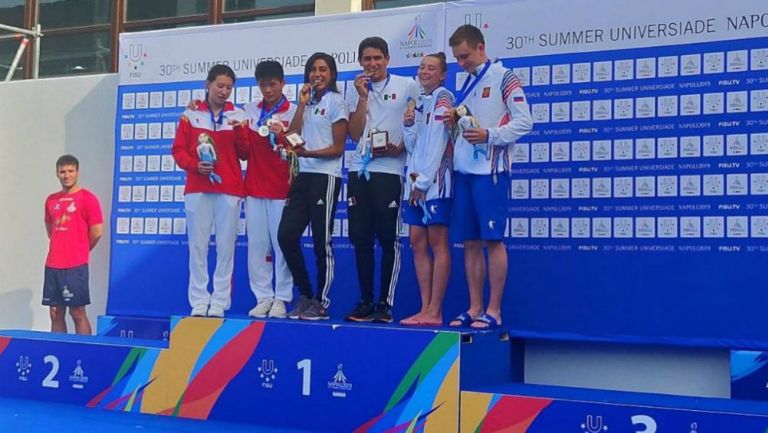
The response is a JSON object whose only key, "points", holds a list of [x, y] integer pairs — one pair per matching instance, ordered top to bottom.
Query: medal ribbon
{"points": [[469, 84]]}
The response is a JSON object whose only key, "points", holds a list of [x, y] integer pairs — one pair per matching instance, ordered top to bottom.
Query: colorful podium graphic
{"points": [[340, 378], [502, 413]]}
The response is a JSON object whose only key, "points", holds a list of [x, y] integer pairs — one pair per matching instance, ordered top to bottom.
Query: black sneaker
{"points": [[299, 307], [314, 311], [363, 312], [383, 313]]}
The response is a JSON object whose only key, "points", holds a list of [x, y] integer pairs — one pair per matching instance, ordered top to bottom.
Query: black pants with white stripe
{"points": [[311, 201], [374, 212]]}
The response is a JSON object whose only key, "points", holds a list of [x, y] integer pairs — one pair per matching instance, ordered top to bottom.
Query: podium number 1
{"points": [[306, 366]]}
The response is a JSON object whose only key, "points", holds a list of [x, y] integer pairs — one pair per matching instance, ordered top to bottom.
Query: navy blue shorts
{"points": [[480, 207], [439, 211], [68, 287]]}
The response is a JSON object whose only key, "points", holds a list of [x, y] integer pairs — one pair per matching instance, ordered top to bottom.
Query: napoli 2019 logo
{"points": [[416, 42]]}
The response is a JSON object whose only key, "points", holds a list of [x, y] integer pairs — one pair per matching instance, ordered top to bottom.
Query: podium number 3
{"points": [[306, 366], [49, 381]]}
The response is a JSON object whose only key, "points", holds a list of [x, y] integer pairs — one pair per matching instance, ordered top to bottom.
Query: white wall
{"points": [[39, 121], [664, 370]]}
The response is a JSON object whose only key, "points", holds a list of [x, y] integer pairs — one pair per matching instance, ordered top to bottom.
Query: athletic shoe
{"points": [[299, 307], [262, 308], [199, 310], [278, 310], [215, 311], [314, 311], [363, 312], [383, 313]]}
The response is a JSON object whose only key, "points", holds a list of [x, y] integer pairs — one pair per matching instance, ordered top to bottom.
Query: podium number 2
{"points": [[306, 366], [49, 381]]}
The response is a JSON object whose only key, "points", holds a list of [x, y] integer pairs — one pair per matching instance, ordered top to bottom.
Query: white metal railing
{"points": [[37, 34]]}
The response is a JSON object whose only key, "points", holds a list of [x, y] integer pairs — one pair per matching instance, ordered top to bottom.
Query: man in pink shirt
{"points": [[73, 221]]}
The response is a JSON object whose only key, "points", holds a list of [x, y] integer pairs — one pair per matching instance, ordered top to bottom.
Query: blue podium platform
{"points": [[153, 328], [749, 374], [340, 377], [522, 408], [28, 416]]}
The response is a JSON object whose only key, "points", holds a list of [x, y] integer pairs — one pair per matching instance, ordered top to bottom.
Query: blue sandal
{"points": [[464, 319], [488, 321]]}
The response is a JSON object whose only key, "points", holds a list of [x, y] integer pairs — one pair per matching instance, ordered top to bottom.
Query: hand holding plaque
{"points": [[294, 139], [379, 141]]}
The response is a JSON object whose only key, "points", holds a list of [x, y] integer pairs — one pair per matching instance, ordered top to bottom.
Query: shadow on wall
{"points": [[16, 308]]}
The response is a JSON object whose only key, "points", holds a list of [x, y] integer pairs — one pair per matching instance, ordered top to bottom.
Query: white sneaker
{"points": [[262, 308], [199, 310], [278, 310], [215, 311]]}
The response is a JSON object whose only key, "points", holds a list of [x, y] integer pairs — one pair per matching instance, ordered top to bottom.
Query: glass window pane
{"points": [[386, 4], [239, 5], [152, 9], [12, 13], [56, 14], [268, 17], [168, 26], [7, 52], [85, 53]]}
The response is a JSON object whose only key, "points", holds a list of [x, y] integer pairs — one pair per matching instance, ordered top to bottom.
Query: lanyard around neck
{"points": [[386, 83], [470, 84], [264, 115], [216, 120]]}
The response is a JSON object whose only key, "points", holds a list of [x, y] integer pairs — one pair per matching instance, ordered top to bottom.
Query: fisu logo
{"points": [[476, 19], [135, 57]]}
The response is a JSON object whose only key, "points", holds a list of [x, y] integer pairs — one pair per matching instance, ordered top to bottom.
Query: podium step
{"points": [[153, 328], [69, 368], [749, 374], [340, 377], [526, 408], [37, 417]]}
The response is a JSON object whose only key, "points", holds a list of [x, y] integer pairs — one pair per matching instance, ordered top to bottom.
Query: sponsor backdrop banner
{"points": [[160, 73], [637, 204]]}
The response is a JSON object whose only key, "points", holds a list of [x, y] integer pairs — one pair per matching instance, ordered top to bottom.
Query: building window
{"points": [[387, 4], [238, 5], [139, 10], [250, 10], [12, 13], [57, 14], [167, 25], [81, 36], [8, 50], [79, 53]]}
